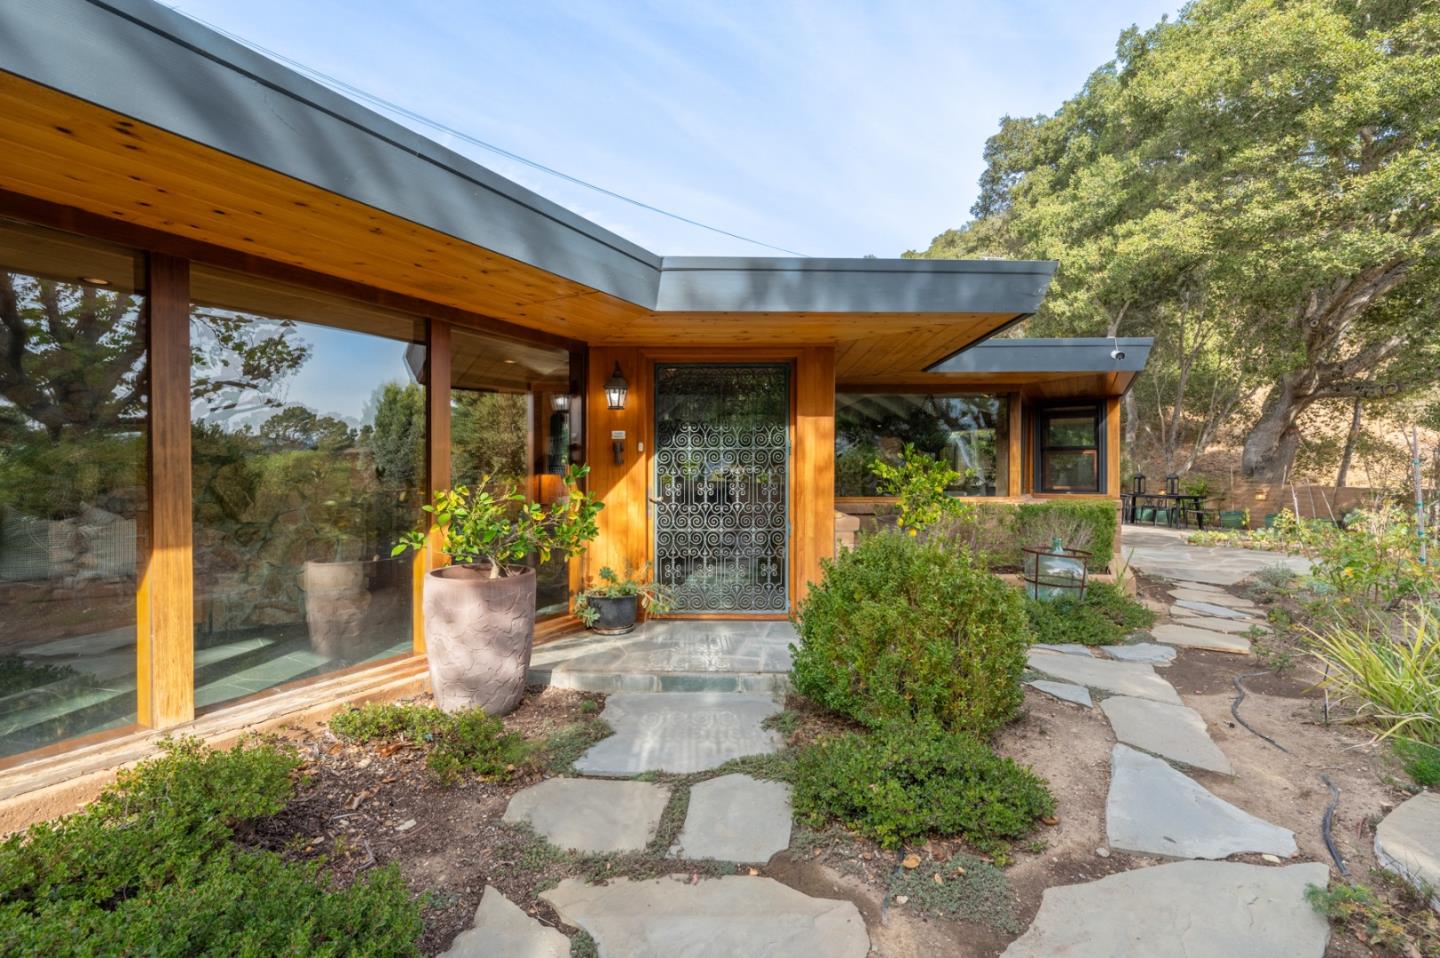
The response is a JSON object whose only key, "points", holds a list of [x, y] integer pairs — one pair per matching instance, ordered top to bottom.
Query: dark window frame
{"points": [[1043, 416]]}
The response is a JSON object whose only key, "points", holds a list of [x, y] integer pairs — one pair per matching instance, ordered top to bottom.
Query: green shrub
{"points": [[1088, 524], [1104, 617], [900, 629], [465, 741], [1420, 760], [909, 782], [150, 868]]}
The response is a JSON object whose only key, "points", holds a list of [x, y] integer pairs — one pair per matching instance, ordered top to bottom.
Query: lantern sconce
{"points": [[615, 389], [560, 402]]}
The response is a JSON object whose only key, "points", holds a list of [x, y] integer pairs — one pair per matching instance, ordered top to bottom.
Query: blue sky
{"points": [[832, 128]]}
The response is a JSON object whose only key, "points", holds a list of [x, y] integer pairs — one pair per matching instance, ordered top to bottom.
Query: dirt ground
{"points": [[369, 805]]}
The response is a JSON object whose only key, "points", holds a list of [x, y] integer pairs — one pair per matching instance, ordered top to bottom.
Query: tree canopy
{"points": [[1257, 184]]}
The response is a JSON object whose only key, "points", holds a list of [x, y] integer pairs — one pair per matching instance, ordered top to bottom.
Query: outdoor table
{"points": [[1172, 503]]}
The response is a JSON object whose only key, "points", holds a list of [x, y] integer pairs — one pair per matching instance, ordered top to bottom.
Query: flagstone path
{"points": [[1407, 842], [1196, 907], [1189, 909]]}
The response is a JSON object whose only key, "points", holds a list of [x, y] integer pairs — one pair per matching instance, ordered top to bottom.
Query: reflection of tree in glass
{"points": [[238, 362], [959, 430], [489, 436]]}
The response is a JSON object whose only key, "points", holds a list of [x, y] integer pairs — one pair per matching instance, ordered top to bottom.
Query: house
{"points": [[248, 324]]}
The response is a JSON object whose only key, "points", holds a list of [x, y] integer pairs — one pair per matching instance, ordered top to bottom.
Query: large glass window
{"points": [[513, 418], [308, 432], [970, 433], [1069, 449], [73, 500]]}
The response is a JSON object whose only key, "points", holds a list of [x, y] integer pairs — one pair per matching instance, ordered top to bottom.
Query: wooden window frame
{"points": [[1043, 415]]}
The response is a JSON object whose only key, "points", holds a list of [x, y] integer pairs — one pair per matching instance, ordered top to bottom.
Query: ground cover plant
{"points": [[1105, 616], [904, 629], [460, 742], [908, 782], [151, 868], [1398, 924]]}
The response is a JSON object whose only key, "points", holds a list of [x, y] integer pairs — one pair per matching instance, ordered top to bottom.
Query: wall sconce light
{"points": [[615, 389], [560, 402]]}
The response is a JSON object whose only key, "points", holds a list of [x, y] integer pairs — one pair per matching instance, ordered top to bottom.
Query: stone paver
{"points": [[1166, 554], [1201, 587], [1217, 597], [1218, 611], [1198, 621], [1193, 637], [1068, 648], [1141, 652], [671, 656], [1121, 678], [1065, 691], [680, 732], [1175, 732], [1155, 810], [590, 815], [735, 818], [1407, 841], [1182, 910], [716, 918], [502, 928]]}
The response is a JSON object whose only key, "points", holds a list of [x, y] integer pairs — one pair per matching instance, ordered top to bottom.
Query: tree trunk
{"points": [[1270, 448], [1349, 452]]}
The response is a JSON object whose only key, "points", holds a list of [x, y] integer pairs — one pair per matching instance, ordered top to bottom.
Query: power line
{"points": [[355, 93]]}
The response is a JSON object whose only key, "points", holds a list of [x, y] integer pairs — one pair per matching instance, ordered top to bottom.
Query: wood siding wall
{"points": [[625, 532]]}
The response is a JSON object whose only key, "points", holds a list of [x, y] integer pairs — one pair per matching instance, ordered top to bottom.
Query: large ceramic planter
{"points": [[337, 602], [353, 609], [615, 616], [478, 636]]}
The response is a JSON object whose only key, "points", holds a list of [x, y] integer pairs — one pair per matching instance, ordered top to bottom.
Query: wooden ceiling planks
{"points": [[66, 151]]}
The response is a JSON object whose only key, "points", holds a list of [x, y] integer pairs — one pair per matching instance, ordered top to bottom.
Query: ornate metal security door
{"points": [[720, 503]]}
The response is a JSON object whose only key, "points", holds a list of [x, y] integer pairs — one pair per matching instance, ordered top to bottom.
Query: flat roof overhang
{"points": [[130, 111], [1044, 368]]}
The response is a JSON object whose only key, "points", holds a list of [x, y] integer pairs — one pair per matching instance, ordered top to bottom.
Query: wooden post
{"points": [[1112, 446], [437, 461], [813, 467], [1014, 483], [165, 626]]}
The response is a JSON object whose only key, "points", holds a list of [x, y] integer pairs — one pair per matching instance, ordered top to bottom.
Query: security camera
{"points": [[1117, 353]]}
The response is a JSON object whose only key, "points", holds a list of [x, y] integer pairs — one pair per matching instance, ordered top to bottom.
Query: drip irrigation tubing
{"points": [[1235, 709], [1328, 822]]}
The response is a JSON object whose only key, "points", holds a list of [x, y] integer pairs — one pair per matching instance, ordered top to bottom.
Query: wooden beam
{"points": [[1112, 446], [437, 460], [813, 468], [1015, 473], [165, 666]]}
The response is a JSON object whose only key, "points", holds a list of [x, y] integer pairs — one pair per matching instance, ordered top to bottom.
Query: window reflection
{"points": [[73, 420], [506, 423], [308, 433], [969, 433]]}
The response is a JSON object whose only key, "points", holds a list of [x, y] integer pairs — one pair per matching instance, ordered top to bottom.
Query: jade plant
{"points": [[496, 526]]}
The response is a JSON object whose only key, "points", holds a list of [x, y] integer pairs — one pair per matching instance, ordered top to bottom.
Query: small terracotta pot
{"points": [[478, 636]]}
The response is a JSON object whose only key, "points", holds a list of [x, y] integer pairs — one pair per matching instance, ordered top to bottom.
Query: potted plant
{"points": [[337, 588], [612, 607], [480, 610]]}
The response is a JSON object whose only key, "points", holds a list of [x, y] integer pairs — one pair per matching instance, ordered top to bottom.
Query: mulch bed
{"points": [[362, 806]]}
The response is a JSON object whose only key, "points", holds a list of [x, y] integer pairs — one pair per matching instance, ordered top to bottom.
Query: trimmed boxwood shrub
{"points": [[902, 630], [906, 783], [151, 868]]}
